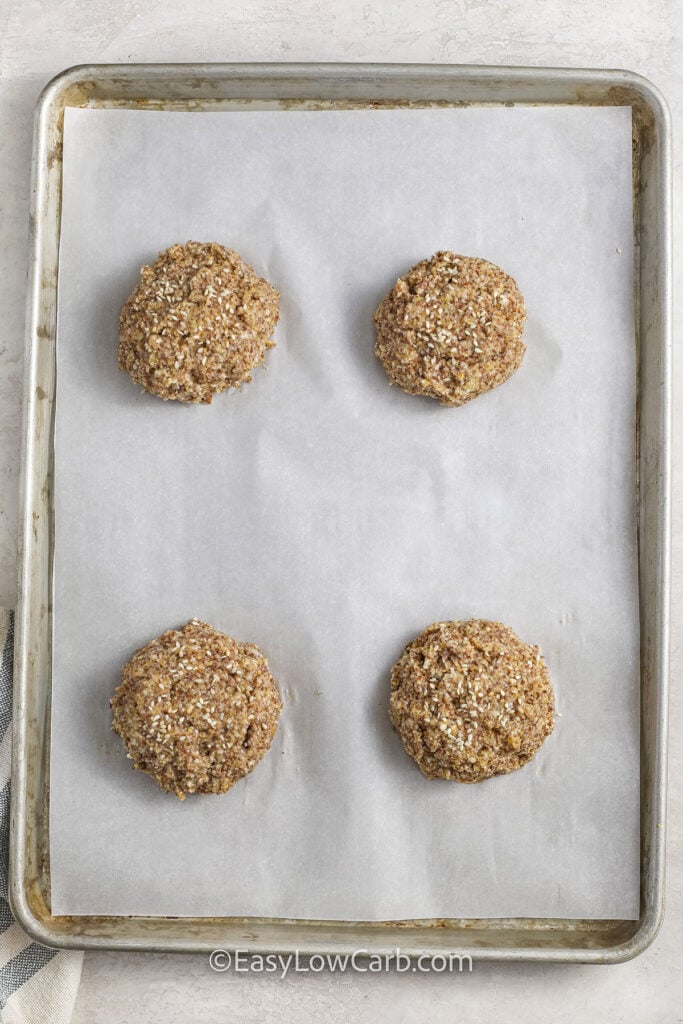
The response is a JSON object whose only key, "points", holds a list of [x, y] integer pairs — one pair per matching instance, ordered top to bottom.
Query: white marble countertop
{"points": [[38, 38]]}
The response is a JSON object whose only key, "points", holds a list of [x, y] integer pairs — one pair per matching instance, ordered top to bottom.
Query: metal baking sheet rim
{"points": [[216, 86]]}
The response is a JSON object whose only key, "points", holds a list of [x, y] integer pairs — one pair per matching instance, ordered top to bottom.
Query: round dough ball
{"points": [[198, 322], [451, 328], [470, 700], [196, 709]]}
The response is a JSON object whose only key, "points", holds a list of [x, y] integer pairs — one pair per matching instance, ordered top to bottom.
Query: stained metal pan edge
{"points": [[201, 86]]}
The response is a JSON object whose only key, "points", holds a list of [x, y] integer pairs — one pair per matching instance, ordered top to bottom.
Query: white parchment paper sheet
{"points": [[328, 517]]}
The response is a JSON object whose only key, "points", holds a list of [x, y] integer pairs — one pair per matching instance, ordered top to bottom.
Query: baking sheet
{"points": [[329, 518]]}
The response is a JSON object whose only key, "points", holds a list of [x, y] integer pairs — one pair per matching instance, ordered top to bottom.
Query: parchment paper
{"points": [[329, 518]]}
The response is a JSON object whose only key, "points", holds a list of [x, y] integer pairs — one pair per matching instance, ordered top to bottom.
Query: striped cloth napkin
{"points": [[37, 985]]}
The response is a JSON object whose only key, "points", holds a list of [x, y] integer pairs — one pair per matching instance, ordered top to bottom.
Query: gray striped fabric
{"points": [[37, 985]]}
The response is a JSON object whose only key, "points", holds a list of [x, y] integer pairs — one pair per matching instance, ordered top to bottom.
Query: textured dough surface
{"points": [[198, 322], [451, 328], [470, 700], [196, 709]]}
